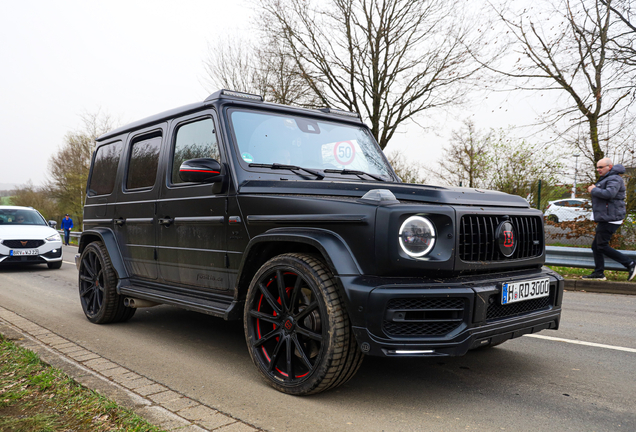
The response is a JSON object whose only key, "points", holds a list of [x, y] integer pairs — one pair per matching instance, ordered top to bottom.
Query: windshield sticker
{"points": [[344, 152], [247, 157]]}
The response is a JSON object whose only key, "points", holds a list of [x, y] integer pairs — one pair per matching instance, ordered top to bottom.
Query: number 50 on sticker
{"points": [[344, 152]]}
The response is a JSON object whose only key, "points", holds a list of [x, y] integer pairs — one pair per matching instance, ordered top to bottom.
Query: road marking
{"points": [[68, 262], [618, 348]]}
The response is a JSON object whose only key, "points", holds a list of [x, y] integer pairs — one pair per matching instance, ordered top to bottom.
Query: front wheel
{"points": [[97, 287], [297, 329]]}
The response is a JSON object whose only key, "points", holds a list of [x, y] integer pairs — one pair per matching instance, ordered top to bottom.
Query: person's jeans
{"points": [[67, 234], [600, 247]]}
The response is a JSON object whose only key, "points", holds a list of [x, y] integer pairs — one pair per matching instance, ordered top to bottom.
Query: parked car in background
{"points": [[569, 210], [26, 238]]}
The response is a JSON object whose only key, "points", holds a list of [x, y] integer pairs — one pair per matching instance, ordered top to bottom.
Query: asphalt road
{"points": [[527, 384]]}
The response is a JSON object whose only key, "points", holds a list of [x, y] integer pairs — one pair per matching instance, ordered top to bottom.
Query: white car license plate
{"points": [[21, 252], [512, 292]]}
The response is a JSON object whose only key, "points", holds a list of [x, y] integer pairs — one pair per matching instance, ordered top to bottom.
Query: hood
{"points": [[616, 169], [402, 191], [25, 232]]}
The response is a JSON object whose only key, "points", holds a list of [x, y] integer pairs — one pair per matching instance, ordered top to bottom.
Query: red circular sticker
{"points": [[344, 152]]}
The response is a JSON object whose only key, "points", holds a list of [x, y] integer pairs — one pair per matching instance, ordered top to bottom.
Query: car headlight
{"points": [[417, 236], [54, 237]]}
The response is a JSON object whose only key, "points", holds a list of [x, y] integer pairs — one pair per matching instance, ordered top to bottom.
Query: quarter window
{"points": [[194, 140], [144, 156], [104, 169]]}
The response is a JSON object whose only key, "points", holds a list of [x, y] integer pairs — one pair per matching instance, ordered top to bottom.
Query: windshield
{"points": [[266, 138], [20, 217]]}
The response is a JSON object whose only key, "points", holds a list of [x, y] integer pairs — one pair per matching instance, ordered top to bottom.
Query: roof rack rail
{"points": [[235, 94], [339, 112]]}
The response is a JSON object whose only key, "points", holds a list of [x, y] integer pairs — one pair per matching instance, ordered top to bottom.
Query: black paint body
{"points": [[198, 246]]}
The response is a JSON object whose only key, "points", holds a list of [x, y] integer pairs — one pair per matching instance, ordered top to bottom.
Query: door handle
{"points": [[120, 221], [167, 221]]}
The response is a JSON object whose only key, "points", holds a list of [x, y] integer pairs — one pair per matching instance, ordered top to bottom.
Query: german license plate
{"points": [[21, 252], [512, 292]]}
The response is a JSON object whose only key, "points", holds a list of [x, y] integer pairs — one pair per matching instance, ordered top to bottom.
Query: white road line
{"points": [[68, 262], [618, 348]]}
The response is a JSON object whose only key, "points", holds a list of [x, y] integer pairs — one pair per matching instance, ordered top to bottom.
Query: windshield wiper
{"points": [[355, 172], [318, 174]]}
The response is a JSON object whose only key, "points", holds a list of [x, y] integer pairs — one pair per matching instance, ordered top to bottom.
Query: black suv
{"points": [[292, 220]]}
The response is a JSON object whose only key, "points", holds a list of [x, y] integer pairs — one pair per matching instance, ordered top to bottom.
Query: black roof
{"points": [[220, 94]]}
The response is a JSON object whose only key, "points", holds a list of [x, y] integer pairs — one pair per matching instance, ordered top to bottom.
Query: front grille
{"points": [[478, 242], [18, 244], [24, 259], [496, 310], [435, 316]]}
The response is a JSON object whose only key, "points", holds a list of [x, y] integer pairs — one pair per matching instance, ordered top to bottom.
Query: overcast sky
{"points": [[130, 59]]}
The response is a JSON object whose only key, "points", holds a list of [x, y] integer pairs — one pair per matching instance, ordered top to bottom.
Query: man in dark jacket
{"points": [[608, 208]]}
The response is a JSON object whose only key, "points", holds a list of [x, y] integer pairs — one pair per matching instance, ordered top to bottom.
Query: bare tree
{"points": [[570, 46], [625, 49], [389, 60], [235, 63], [497, 160], [463, 161], [69, 167], [409, 171], [36, 197]]}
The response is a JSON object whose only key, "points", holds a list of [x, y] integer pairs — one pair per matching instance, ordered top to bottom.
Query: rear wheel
{"points": [[553, 218], [97, 287], [297, 329]]}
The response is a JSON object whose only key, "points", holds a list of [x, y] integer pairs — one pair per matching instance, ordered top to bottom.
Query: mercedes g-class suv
{"points": [[292, 220]]}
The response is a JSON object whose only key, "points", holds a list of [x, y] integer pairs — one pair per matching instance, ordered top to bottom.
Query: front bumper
{"points": [[47, 253], [445, 317]]}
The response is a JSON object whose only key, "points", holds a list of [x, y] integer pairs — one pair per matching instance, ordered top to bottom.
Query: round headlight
{"points": [[417, 236]]}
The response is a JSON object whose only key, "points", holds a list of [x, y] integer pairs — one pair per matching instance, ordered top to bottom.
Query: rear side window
{"points": [[194, 140], [144, 157], [105, 169]]}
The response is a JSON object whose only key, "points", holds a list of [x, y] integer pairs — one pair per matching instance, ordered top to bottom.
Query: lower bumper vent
{"points": [[423, 316]]}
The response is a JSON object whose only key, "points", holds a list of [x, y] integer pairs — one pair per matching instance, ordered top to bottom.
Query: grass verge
{"points": [[578, 273], [37, 397]]}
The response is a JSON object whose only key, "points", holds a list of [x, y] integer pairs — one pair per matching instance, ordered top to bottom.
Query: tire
{"points": [[553, 218], [54, 265], [97, 287], [297, 329]]}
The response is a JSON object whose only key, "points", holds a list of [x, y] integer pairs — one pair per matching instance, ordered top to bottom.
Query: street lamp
{"points": [[576, 163]]}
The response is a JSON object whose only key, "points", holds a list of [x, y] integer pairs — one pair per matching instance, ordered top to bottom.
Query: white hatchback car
{"points": [[565, 210], [26, 238]]}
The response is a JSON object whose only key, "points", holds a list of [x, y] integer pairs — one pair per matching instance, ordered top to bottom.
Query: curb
{"points": [[606, 287], [154, 402]]}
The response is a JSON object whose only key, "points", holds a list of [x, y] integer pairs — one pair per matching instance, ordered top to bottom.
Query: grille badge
{"points": [[506, 238]]}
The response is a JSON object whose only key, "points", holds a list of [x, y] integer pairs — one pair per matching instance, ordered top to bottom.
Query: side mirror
{"points": [[203, 170], [52, 224]]}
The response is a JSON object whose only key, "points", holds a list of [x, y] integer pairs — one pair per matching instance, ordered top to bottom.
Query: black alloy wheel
{"points": [[97, 287], [296, 326]]}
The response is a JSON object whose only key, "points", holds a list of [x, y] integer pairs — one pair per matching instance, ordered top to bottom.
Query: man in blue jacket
{"points": [[608, 208], [67, 224]]}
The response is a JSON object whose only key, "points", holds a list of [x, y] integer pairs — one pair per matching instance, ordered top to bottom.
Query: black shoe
{"points": [[632, 270], [595, 276]]}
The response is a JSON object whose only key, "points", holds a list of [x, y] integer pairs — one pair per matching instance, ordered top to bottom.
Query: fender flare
{"points": [[107, 237], [333, 248]]}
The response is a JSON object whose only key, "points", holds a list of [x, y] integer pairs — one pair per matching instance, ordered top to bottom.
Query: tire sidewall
{"points": [[108, 287], [327, 315]]}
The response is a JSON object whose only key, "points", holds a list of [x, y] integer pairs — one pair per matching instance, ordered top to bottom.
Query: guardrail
{"points": [[74, 234], [554, 255], [580, 257]]}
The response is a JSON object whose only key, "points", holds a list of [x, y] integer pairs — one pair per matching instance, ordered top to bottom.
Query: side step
{"points": [[220, 306]]}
